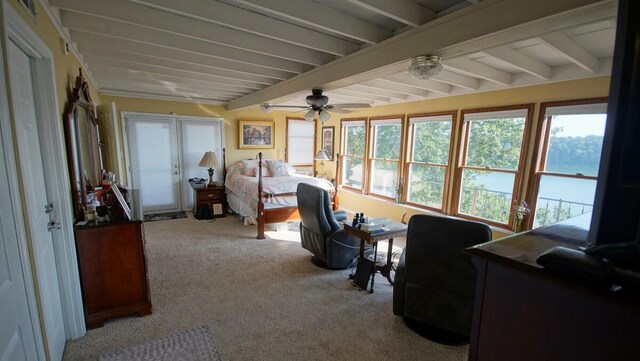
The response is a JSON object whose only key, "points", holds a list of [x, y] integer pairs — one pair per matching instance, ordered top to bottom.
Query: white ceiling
{"points": [[245, 52]]}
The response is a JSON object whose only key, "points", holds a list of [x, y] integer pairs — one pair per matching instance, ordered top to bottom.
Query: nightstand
{"points": [[209, 202]]}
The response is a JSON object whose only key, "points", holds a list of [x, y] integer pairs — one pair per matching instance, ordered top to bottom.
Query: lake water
{"points": [[567, 189]]}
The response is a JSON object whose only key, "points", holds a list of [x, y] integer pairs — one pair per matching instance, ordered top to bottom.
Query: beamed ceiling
{"points": [[241, 53]]}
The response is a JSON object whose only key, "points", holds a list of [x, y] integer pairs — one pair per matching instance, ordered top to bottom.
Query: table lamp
{"points": [[322, 156], [209, 160]]}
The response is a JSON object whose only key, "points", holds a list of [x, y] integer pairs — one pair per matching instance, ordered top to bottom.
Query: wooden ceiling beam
{"points": [[404, 11], [144, 16], [322, 17], [240, 19], [571, 50], [520, 61], [477, 69]]}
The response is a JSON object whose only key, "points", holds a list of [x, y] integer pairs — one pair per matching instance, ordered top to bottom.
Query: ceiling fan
{"points": [[316, 103]]}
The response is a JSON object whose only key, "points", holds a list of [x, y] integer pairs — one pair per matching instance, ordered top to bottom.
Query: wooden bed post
{"points": [[224, 165], [336, 199], [261, 219]]}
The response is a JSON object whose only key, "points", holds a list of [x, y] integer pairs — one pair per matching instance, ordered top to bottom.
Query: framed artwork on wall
{"points": [[256, 134], [327, 140]]}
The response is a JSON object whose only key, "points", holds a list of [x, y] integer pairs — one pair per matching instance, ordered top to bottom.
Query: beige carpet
{"points": [[261, 299]]}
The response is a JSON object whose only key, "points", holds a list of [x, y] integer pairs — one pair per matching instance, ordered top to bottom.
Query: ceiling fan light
{"points": [[425, 66], [265, 107], [324, 115], [309, 116]]}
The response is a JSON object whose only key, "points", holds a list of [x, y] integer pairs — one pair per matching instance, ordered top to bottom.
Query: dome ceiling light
{"points": [[425, 66]]}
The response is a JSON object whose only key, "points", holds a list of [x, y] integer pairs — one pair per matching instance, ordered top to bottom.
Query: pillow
{"points": [[249, 167], [277, 168], [290, 169], [265, 172]]}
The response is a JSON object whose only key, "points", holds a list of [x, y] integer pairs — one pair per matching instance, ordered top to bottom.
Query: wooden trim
{"points": [[464, 143], [410, 145], [371, 149], [540, 149], [364, 155], [489, 169], [567, 175]]}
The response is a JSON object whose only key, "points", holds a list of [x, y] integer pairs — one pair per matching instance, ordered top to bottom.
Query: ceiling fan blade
{"points": [[350, 105], [289, 106]]}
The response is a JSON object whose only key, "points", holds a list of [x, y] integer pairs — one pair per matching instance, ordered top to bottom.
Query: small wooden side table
{"points": [[205, 200], [395, 229]]}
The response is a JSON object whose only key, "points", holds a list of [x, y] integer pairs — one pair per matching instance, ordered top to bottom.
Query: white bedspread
{"points": [[244, 191]]}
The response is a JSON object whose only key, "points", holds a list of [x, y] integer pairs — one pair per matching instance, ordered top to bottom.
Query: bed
{"points": [[261, 197]]}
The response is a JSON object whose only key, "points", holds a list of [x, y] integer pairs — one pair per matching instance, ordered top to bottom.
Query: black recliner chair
{"points": [[321, 233], [434, 286]]}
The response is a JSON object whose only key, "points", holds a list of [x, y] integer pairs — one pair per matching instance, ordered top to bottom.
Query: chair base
{"points": [[316, 261], [436, 334]]}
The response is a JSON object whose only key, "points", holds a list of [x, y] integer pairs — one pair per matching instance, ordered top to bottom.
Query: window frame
{"points": [[371, 132], [286, 143], [463, 148], [540, 150], [341, 157], [408, 161]]}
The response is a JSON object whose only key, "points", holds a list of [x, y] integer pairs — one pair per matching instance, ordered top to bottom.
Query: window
{"points": [[301, 137], [354, 139], [570, 144], [428, 159], [384, 166], [490, 166]]}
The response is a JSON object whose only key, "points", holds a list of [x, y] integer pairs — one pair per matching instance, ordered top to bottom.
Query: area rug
{"points": [[164, 216], [191, 345]]}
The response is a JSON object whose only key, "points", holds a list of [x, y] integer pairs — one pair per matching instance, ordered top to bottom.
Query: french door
{"points": [[164, 154], [155, 162]]}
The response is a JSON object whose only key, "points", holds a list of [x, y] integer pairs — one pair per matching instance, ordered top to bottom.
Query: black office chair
{"points": [[321, 233], [434, 286]]}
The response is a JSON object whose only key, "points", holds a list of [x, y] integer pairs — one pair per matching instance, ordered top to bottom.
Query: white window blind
{"points": [[598, 108], [503, 114], [435, 118], [386, 121], [353, 123], [300, 139]]}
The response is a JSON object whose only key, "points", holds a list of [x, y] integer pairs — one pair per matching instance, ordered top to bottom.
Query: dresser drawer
{"points": [[210, 196]]}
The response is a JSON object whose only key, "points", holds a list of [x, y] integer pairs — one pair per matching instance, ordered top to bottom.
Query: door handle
{"points": [[53, 225]]}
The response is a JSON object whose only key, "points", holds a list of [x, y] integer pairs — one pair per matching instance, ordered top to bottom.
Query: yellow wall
{"points": [[66, 66], [125, 104], [376, 207]]}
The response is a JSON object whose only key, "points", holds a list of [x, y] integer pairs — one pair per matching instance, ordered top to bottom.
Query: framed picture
{"points": [[254, 134], [327, 140]]}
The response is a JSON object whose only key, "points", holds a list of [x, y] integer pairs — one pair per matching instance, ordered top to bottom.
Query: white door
{"points": [[197, 138], [155, 162], [34, 192], [17, 334]]}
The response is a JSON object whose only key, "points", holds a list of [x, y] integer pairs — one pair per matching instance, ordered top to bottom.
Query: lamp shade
{"points": [[324, 115], [309, 116], [322, 155], [209, 160]]}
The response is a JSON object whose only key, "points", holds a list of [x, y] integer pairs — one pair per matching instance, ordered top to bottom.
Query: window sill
{"points": [[493, 228]]}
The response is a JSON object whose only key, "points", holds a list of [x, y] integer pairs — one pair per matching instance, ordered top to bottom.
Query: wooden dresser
{"points": [[209, 202], [113, 271], [527, 313]]}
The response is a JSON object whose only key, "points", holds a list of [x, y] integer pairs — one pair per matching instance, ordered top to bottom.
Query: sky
{"points": [[580, 125]]}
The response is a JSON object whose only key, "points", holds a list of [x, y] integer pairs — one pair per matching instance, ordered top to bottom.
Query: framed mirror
{"points": [[83, 145]]}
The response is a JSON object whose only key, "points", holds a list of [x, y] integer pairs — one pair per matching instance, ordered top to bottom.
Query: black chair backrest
{"points": [[311, 205], [434, 252]]}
